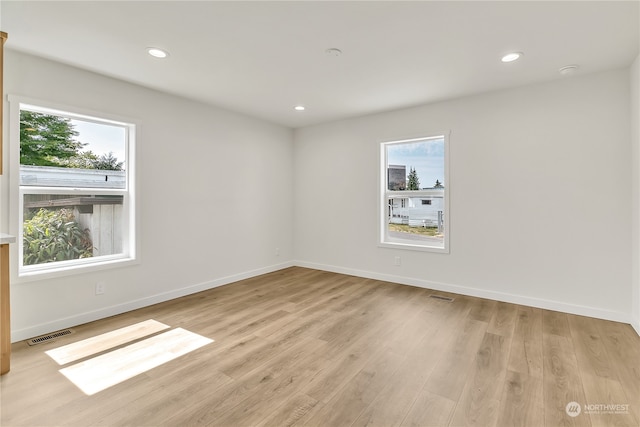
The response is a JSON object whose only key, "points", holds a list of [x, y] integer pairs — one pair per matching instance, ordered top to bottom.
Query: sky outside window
{"points": [[101, 138], [425, 156]]}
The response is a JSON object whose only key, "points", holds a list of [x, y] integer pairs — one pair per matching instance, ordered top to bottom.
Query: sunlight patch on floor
{"points": [[99, 343], [109, 369], [106, 370]]}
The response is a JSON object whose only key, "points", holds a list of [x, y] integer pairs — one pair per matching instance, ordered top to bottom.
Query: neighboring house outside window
{"points": [[414, 196], [75, 197]]}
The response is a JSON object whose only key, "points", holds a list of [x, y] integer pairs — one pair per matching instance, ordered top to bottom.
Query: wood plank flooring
{"points": [[301, 347]]}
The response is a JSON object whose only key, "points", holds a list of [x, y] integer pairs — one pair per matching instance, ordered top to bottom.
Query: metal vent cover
{"points": [[441, 298], [48, 337]]}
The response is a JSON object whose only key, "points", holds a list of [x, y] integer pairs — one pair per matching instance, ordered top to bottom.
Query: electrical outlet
{"points": [[277, 251], [396, 261], [99, 288]]}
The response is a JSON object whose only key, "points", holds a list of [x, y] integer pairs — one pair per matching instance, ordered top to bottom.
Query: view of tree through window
{"points": [[50, 140], [60, 152], [414, 194]]}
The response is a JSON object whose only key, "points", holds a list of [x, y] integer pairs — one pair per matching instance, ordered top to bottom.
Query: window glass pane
{"points": [[59, 151], [416, 165], [415, 192], [75, 205], [409, 219], [62, 227]]}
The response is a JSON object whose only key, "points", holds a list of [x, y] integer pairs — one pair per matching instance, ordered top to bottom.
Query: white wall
{"points": [[215, 193], [540, 209], [635, 222]]}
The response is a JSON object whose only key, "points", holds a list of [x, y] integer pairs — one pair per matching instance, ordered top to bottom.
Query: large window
{"points": [[75, 195], [414, 196]]}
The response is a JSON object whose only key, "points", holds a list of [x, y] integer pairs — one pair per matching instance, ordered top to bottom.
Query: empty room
{"points": [[320, 213]]}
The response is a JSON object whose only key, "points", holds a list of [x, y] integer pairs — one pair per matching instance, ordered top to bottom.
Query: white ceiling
{"points": [[262, 58]]}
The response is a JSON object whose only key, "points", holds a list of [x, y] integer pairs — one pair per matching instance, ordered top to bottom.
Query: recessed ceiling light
{"points": [[157, 53], [510, 57], [299, 108]]}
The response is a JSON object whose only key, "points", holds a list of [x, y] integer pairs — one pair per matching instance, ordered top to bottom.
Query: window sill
{"points": [[413, 247], [34, 274]]}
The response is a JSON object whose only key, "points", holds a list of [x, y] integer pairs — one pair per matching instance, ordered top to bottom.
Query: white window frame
{"points": [[384, 239], [130, 252]]}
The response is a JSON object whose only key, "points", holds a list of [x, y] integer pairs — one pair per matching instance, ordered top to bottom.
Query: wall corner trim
{"points": [[635, 324]]}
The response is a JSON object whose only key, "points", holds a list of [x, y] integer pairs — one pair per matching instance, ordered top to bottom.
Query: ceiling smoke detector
{"points": [[333, 52], [568, 70]]}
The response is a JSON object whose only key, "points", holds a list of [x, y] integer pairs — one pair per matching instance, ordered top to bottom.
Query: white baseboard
{"points": [[481, 293], [90, 316], [67, 322]]}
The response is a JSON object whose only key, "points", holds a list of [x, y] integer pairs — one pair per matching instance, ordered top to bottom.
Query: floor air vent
{"points": [[441, 298], [48, 337]]}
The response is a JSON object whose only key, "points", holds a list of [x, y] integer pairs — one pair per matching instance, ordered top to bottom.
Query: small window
{"points": [[75, 190], [414, 194]]}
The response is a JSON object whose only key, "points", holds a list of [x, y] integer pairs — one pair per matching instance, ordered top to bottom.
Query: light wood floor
{"points": [[309, 348]]}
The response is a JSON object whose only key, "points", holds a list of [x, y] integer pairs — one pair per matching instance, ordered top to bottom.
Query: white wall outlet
{"points": [[277, 251], [396, 261], [100, 288]]}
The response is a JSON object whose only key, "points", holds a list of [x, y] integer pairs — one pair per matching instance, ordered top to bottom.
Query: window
{"points": [[75, 191], [414, 197]]}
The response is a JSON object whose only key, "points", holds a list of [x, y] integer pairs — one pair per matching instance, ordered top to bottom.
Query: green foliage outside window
{"points": [[46, 140], [50, 140], [414, 181], [54, 235]]}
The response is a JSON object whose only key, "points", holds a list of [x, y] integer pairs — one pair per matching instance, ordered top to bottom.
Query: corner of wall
{"points": [[634, 77]]}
